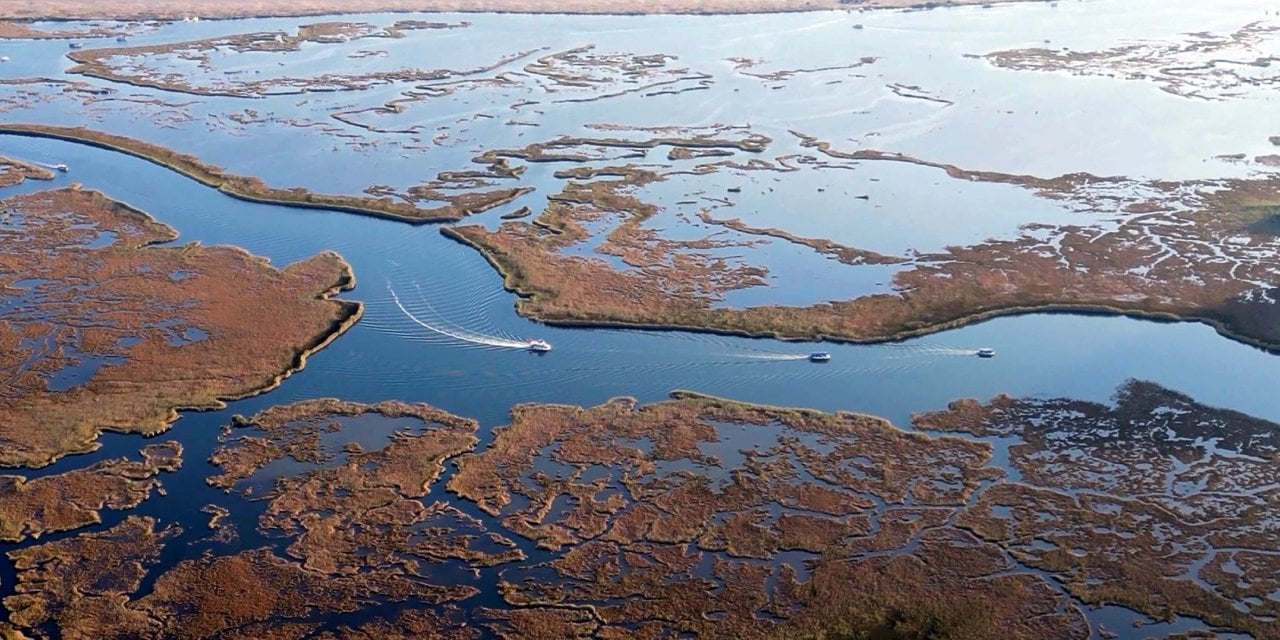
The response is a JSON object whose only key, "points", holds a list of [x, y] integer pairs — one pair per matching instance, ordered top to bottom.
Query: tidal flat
{"points": [[272, 283]]}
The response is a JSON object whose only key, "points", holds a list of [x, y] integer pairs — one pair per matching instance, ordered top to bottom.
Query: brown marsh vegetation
{"points": [[15, 172], [1197, 250], [106, 332], [70, 500], [1132, 504], [704, 516], [709, 517], [358, 529]]}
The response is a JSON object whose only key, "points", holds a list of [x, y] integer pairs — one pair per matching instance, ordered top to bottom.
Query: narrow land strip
{"points": [[178, 9], [254, 190]]}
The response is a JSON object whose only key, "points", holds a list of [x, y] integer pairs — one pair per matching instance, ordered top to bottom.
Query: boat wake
{"points": [[444, 328], [939, 350], [931, 352], [782, 357]]}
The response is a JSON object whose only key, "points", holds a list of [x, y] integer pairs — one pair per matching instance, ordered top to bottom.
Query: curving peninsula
{"points": [[14, 172], [255, 190]]}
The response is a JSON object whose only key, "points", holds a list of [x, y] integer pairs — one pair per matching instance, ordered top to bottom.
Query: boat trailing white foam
{"points": [[465, 335]]}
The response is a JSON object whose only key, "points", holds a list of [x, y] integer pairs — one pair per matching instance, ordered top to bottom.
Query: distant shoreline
{"points": [[233, 9]]}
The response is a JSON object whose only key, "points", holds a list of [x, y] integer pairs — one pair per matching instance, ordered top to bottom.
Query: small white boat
{"points": [[4, 58], [62, 167], [539, 346], [986, 353], [819, 356]]}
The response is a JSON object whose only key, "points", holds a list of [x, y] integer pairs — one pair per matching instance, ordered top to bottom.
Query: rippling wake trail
{"points": [[459, 333], [932, 349], [774, 356]]}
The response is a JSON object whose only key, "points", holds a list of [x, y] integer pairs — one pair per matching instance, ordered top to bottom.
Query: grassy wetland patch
{"points": [[1195, 250], [105, 332], [702, 516]]}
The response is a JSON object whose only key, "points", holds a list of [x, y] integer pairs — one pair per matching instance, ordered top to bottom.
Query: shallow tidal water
{"points": [[439, 328]]}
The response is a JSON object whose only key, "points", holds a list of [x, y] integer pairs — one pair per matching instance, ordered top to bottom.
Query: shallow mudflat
{"points": [[1201, 65]]}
